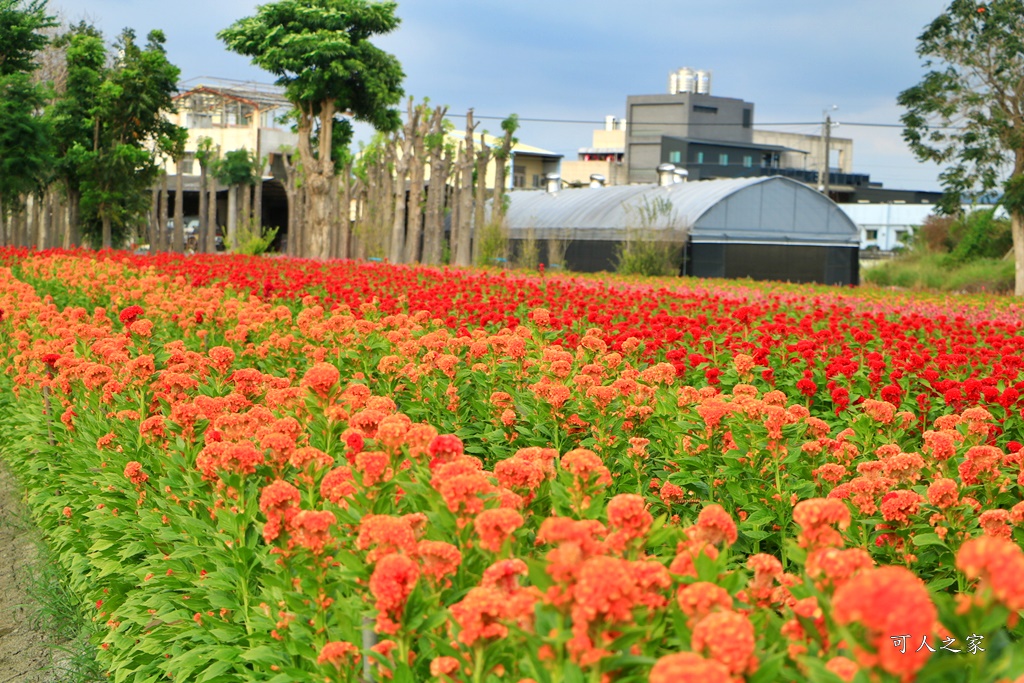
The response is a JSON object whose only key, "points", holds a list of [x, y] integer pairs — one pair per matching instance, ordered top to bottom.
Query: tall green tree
{"points": [[21, 34], [321, 53], [71, 113], [967, 113], [130, 133], [25, 152]]}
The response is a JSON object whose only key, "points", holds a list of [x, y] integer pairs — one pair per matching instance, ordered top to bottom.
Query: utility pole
{"points": [[827, 135]]}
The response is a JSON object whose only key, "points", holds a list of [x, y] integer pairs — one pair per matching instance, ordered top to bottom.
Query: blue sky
{"points": [[579, 59]]}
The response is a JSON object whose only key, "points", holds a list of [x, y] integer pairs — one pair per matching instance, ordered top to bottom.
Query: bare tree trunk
{"points": [[483, 157], [501, 157], [318, 171], [417, 184], [257, 199], [179, 207], [387, 207], [204, 209], [74, 214], [345, 214], [154, 219], [455, 220], [3, 222], [245, 223], [43, 224], [433, 224], [212, 227], [161, 228], [1017, 228], [107, 231], [232, 238], [463, 238]]}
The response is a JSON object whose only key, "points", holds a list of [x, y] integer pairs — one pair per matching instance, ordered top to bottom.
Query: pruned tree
{"points": [[321, 53], [967, 113], [404, 143], [502, 153], [440, 155], [483, 158], [417, 180], [462, 226]]}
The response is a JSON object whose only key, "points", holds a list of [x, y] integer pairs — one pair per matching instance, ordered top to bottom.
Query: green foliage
{"points": [[21, 37], [321, 53], [965, 113], [71, 115], [130, 132], [26, 153], [238, 167], [980, 234], [493, 238], [251, 242], [645, 251], [528, 253], [935, 272]]}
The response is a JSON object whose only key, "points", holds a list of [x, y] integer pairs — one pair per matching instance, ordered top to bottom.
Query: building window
{"points": [[705, 109], [747, 118], [675, 156], [700, 157], [723, 159], [748, 161], [519, 176], [538, 181], [872, 234]]}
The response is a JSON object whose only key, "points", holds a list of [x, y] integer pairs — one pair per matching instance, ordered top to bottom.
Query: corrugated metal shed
{"points": [[766, 210]]}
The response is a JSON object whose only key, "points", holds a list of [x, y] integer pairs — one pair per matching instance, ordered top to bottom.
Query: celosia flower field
{"points": [[271, 470]]}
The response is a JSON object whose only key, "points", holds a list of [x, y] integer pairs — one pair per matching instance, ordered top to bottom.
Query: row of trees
{"points": [[79, 145], [408, 179]]}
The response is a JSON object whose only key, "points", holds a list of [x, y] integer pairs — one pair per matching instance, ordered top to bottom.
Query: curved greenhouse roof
{"points": [[766, 210]]}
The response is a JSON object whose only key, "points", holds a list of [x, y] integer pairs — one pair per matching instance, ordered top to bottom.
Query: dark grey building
{"points": [[767, 228]]}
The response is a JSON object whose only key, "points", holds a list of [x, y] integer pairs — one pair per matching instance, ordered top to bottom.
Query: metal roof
{"points": [[773, 210]]}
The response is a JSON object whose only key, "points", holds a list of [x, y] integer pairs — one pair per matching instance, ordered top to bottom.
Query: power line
{"points": [[679, 123]]}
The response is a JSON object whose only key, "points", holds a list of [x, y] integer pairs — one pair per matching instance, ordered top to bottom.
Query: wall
{"points": [[814, 145]]}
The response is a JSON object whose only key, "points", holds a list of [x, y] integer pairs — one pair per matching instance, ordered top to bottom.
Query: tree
{"points": [[21, 35], [321, 53], [968, 110], [70, 114], [130, 133], [25, 151], [237, 170]]}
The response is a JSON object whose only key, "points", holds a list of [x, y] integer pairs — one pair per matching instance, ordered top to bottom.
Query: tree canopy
{"points": [[967, 113]]}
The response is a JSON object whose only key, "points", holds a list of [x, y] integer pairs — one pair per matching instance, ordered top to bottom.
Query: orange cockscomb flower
{"points": [[321, 378], [586, 466], [133, 471], [338, 485], [943, 493], [279, 503], [899, 506], [628, 515], [816, 517], [996, 523], [494, 526], [715, 526], [311, 529], [383, 535], [438, 560], [998, 564], [504, 574], [392, 581], [699, 599], [887, 601], [480, 615], [727, 637], [338, 654], [688, 667], [845, 668]]}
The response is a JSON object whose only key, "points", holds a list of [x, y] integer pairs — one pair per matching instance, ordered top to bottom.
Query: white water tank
{"points": [[702, 83]]}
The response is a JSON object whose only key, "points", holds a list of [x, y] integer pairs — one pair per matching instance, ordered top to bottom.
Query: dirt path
{"points": [[24, 656]]}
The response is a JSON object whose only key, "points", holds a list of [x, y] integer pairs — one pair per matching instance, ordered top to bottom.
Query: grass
{"points": [[934, 271]]}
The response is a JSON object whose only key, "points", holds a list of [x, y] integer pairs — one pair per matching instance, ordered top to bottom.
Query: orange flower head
{"points": [[321, 378], [586, 466], [133, 471], [338, 485], [943, 493], [899, 506], [627, 513], [496, 525], [715, 526], [311, 529], [438, 560], [998, 564], [504, 574], [392, 581], [699, 599], [887, 601], [480, 615], [727, 637], [338, 654], [688, 667]]}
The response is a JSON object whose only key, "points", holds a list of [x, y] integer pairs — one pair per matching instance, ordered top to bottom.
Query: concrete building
{"points": [[604, 158]]}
